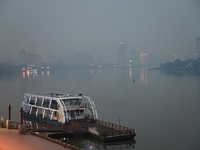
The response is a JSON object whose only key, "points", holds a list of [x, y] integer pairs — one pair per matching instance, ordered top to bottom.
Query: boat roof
{"points": [[57, 95]]}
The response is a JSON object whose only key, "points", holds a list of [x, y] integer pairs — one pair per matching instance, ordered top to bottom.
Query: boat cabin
{"points": [[58, 107]]}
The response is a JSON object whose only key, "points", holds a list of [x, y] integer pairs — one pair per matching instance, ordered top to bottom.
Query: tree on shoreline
{"points": [[186, 64]]}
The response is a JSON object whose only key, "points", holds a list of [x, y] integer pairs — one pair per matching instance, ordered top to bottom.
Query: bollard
{"points": [[9, 112], [21, 116], [9, 124], [21, 127]]}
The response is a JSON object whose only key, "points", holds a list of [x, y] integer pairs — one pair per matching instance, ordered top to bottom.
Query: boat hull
{"points": [[30, 117]]}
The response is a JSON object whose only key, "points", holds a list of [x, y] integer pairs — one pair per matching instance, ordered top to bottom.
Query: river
{"points": [[163, 109]]}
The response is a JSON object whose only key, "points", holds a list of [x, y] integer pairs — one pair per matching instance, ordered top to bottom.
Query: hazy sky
{"points": [[97, 26]]}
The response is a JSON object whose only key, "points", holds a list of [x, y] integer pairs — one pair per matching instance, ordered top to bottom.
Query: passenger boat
{"points": [[58, 108]]}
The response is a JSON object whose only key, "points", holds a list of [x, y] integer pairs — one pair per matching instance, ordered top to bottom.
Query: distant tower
{"points": [[198, 47], [122, 53], [134, 56], [176, 56], [23, 57], [143, 58]]}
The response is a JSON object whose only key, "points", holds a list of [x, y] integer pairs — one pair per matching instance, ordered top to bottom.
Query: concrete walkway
{"points": [[11, 140]]}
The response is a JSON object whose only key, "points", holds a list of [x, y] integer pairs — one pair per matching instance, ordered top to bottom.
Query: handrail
{"points": [[73, 126], [121, 129]]}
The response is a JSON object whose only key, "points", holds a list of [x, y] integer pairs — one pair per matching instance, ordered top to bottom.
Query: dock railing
{"points": [[50, 127], [121, 129]]}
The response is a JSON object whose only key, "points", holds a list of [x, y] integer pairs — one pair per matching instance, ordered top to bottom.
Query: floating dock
{"points": [[69, 114], [99, 129]]}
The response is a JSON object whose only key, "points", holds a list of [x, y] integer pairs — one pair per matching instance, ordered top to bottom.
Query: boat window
{"points": [[26, 99], [32, 101], [73, 101], [39, 102], [70, 102], [76, 102], [46, 103], [66, 103], [54, 104], [27, 108], [34, 109], [40, 112], [77, 113], [81, 113], [47, 114], [72, 114], [55, 116]]}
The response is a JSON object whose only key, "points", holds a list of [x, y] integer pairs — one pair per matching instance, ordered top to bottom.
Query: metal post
{"points": [[9, 112], [21, 116], [1, 120], [119, 121], [21, 127]]}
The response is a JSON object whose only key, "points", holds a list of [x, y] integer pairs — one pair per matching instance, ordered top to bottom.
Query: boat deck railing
{"points": [[114, 126], [55, 128], [119, 130]]}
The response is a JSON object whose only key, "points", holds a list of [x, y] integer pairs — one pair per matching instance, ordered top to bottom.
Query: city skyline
{"points": [[65, 27], [124, 58]]}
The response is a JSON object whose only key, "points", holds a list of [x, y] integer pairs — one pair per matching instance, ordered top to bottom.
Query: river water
{"points": [[163, 109]]}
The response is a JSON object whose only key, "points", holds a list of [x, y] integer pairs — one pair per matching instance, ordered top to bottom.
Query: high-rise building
{"points": [[198, 47], [122, 53], [176, 56], [23, 57], [134, 57], [143, 58], [28, 59], [34, 59]]}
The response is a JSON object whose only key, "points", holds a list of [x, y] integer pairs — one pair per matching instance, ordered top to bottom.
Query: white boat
{"points": [[58, 108]]}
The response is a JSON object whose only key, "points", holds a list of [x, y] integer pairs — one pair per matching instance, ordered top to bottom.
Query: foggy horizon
{"points": [[64, 27]]}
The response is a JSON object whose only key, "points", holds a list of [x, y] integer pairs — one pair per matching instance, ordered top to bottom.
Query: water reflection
{"points": [[130, 72], [48, 73], [28, 74], [23, 75], [143, 76], [123, 78], [198, 87], [89, 143], [92, 144]]}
